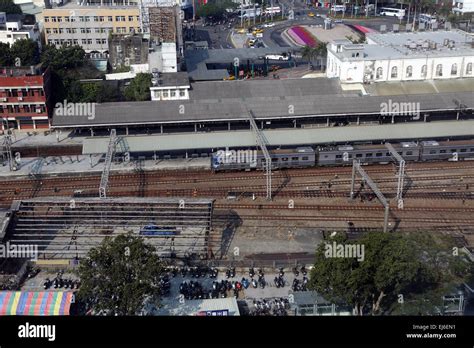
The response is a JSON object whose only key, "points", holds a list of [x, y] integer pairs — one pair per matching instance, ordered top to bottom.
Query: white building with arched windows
{"points": [[402, 57]]}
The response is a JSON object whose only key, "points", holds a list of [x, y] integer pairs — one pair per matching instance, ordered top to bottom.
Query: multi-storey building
{"points": [[463, 6], [89, 25], [13, 29], [402, 57], [24, 98]]}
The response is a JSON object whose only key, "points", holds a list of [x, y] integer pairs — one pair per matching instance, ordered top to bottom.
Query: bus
{"points": [[270, 10], [395, 12], [426, 18]]}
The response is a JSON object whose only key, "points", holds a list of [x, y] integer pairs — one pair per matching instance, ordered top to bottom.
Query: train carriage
{"points": [[447, 150], [343, 155], [295, 158]]}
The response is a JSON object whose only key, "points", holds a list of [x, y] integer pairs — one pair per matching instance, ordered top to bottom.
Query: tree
{"points": [[9, 7], [27, 50], [308, 53], [6, 58], [63, 58], [139, 88], [394, 264], [119, 276]]}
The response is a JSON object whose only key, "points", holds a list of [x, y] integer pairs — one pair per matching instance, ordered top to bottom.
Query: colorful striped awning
{"points": [[35, 302]]}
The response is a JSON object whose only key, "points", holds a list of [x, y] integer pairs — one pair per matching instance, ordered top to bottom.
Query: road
{"points": [[218, 36]]}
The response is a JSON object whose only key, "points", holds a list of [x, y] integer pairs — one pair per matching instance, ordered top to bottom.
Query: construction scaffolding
{"points": [[162, 23], [6, 151], [268, 160], [356, 168], [400, 173], [104, 180]]}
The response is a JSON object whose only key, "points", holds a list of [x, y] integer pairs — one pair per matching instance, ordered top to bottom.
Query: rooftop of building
{"points": [[95, 5], [411, 44], [197, 60], [26, 71], [176, 79], [270, 99]]}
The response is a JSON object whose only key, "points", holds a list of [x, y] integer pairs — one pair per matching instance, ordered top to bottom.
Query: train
{"points": [[307, 156]]}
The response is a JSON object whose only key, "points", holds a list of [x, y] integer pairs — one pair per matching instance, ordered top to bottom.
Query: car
{"points": [[311, 14], [268, 25], [282, 56]]}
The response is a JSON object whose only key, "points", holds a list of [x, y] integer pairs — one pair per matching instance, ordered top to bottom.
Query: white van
{"points": [[338, 8], [427, 19]]}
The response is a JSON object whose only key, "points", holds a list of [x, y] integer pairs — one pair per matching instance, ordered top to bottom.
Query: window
{"points": [[81, 18], [87, 18], [96, 18], [101, 18], [109, 18], [120, 18], [130, 18], [46, 19], [54, 19], [60, 19], [67, 19], [55, 30], [83, 30], [131, 30], [48, 31], [61, 31], [50, 41], [75, 41], [84, 41], [89, 41], [98, 41], [454, 69], [469, 69], [424, 70], [439, 70], [409, 71], [394, 72], [379, 73], [182, 92], [173, 93], [165, 94], [453, 150], [463, 150], [442, 151], [432, 152], [409, 153], [368, 154], [378, 154], [359, 155], [338, 156], [294, 158], [304, 158], [284, 159]]}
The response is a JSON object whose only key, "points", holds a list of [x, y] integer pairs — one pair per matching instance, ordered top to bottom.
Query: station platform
{"points": [[67, 165]]}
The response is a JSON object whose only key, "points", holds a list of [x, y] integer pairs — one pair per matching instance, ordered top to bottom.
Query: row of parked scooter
{"points": [[194, 272], [276, 307]]}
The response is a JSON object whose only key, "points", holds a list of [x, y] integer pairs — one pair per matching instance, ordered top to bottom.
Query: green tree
{"points": [[9, 7], [27, 50], [308, 53], [6, 58], [63, 58], [139, 88], [394, 264], [119, 276]]}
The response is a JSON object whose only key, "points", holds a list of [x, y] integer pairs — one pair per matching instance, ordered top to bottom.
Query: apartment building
{"points": [[89, 25], [24, 96]]}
